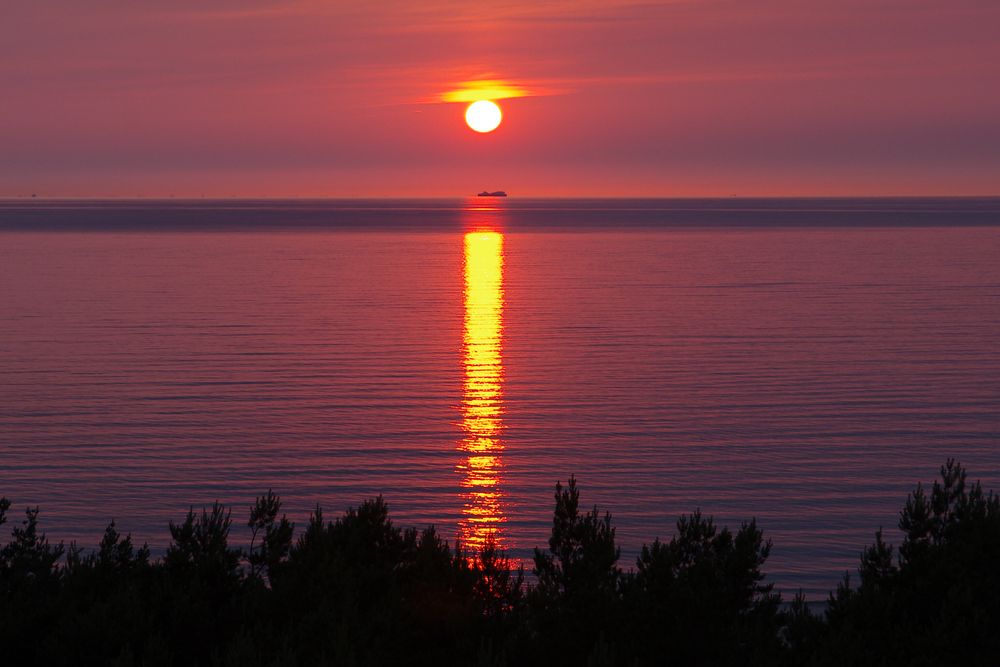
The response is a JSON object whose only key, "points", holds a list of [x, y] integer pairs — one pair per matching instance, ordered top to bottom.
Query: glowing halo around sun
{"points": [[483, 116]]}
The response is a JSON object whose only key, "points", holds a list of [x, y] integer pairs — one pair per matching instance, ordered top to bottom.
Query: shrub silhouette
{"points": [[359, 590]]}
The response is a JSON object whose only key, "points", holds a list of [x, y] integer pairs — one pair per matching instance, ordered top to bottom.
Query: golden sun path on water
{"points": [[482, 395]]}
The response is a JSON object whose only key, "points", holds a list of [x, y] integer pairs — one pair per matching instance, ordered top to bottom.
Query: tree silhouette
{"points": [[276, 535], [582, 556], [360, 590], [701, 596], [938, 600], [575, 602]]}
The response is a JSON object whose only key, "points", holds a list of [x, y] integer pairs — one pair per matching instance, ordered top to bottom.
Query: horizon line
{"points": [[207, 198]]}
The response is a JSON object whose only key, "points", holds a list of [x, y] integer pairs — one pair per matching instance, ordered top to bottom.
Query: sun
{"points": [[483, 116]]}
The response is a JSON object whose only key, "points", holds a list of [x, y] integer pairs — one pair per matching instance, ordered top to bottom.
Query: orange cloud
{"points": [[489, 89]]}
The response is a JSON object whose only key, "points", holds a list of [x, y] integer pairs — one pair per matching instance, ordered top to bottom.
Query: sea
{"points": [[802, 362]]}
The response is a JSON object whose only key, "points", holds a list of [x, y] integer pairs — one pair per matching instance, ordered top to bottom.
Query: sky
{"points": [[338, 98]]}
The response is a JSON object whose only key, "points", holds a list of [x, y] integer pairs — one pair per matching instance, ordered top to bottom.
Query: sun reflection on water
{"points": [[482, 396]]}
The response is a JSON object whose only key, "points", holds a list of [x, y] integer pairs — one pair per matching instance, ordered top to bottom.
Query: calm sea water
{"points": [[805, 362]]}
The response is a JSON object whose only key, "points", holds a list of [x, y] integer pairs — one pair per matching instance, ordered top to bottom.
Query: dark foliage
{"points": [[275, 536], [579, 581], [360, 591], [701, 598], [936, 601]]}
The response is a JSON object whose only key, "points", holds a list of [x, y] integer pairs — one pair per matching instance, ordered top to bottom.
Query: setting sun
{"points": [[483, 116]]}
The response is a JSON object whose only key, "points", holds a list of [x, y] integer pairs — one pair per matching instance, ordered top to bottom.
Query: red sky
{"points": [[343, 98]]}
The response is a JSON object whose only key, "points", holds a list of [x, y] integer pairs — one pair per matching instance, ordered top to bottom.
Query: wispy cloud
{"points": [[426, 14], [493, 89]]}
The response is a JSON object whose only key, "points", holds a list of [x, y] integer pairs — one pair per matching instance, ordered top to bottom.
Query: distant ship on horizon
{"points": [[497, 193]]}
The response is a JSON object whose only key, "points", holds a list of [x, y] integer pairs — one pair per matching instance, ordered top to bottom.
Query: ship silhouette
{"points": [[497, 193]]}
